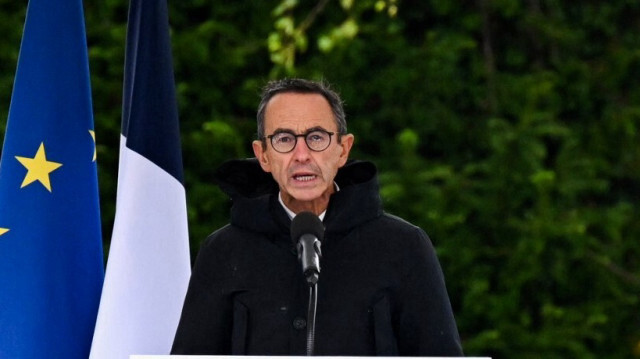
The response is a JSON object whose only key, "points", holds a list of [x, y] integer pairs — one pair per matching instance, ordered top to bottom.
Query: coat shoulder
{"points": [[396, 229]]}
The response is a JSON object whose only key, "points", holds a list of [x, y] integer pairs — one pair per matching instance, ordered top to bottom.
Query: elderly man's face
{"points": [[305, 177]]}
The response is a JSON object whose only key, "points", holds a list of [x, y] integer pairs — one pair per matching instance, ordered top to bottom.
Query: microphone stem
{"points": [[311, 319]]}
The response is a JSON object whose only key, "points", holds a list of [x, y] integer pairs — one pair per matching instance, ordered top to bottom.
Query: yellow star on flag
{"points": [[93, 135], [38, 168], [3, 231]]}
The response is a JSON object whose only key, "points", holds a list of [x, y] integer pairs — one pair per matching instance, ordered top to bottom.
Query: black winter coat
{"points": [[381, 290]]}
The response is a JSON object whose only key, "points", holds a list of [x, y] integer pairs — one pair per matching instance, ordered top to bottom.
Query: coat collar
{"points": [[255, 206]]}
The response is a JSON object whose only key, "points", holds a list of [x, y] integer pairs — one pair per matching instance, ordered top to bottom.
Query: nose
{"points": [[301, 151]]}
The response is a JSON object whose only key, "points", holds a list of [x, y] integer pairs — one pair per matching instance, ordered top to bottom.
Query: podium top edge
{"points": [[271, 357]]}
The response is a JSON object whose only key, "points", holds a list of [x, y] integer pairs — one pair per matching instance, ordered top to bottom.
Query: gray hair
{"points": [[306, 87]]}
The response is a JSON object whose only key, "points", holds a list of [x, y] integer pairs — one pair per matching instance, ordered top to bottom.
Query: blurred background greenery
{"points": [[508, 130]]}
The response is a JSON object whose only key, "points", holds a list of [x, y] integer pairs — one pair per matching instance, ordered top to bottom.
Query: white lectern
{"points": [[271, 357]]}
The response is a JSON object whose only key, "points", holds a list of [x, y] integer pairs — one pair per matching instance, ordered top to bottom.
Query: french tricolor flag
{"points": [[148, 266]]}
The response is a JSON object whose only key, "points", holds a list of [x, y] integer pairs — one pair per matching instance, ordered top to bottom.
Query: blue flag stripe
{"points": [[149, 92]]}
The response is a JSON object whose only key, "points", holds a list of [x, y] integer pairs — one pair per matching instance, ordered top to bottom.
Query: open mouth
{"points": [[304, 178]]}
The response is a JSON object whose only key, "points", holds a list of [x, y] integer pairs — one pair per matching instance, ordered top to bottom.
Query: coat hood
{"points": [[254, 194]]}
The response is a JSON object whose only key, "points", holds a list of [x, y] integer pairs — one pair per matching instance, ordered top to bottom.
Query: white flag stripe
{"points": [[148, 268]]}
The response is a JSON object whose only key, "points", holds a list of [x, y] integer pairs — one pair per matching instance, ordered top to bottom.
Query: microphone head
{"points": [[306, 223]]}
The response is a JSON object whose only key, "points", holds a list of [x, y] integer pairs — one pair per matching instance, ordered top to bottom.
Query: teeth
{"points": [[305, 178]]}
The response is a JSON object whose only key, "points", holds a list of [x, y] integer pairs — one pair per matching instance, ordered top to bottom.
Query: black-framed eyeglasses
{"points": [[316, 139]]}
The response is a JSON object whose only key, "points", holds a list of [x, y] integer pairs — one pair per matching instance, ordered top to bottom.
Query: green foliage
{"points": [[11, 24], [106, 33], [508, 130]]}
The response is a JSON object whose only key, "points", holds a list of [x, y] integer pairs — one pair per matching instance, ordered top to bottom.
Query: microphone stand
{"points": [[307, 230], [306, 245], [312, 275], [311, 318]]}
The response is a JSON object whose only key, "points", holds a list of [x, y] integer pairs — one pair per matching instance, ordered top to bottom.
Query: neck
{"points": [[316, 206]]}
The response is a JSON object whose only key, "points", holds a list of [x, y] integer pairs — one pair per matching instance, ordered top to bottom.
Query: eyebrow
{"points": [[287, 130]]}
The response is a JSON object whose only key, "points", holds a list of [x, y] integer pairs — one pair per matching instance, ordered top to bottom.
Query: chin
{"points": [[306, 195], [306, 198]]}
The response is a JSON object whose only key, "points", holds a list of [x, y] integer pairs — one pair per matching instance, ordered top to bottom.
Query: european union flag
{"points": [[51, 265]]}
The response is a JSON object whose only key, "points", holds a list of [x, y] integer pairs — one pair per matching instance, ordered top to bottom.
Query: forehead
{"points": [[298, 112]]}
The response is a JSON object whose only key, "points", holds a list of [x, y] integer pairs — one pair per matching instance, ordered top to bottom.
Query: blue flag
{"points": [[51, 265]]}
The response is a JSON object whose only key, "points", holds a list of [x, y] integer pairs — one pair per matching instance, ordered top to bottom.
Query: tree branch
{"points": [[311, 17], [615, 269]]}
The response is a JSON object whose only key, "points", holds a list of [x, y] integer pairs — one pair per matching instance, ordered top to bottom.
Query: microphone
{"points": [[307, 231]]}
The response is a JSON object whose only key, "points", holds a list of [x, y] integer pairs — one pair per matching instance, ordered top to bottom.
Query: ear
{"points": [[346, 142], [260, 152]]}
